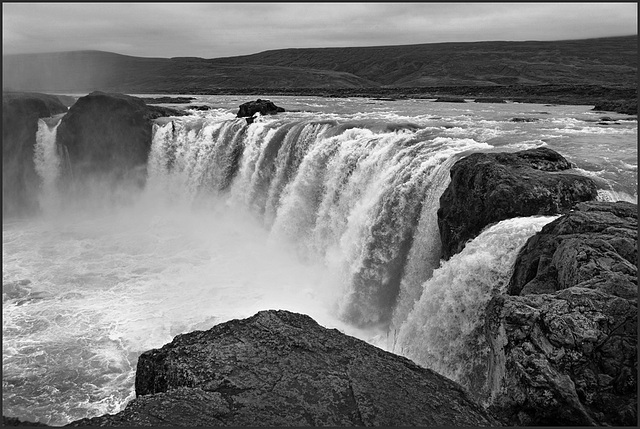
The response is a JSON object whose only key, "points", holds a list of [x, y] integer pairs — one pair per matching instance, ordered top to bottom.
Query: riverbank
{"points": [[615, 99]]}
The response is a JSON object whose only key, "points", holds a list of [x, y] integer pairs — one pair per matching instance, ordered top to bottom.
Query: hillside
{"points": [[601, 62], [85, 71]]}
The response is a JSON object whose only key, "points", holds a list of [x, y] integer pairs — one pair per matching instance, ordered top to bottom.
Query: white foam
{"points": [[444, 330]]}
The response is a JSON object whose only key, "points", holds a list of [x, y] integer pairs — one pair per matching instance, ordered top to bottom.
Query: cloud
{"points": [[224, 29]]}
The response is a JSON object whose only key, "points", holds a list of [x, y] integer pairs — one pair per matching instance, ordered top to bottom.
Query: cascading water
{"points": [[47, 163], [349, 198], [329, 214], [444, 330]]}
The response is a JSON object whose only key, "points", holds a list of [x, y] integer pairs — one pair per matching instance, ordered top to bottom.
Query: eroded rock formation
{"points": [[108, 137], [20, 181], [489, 187], [593, 247], [565, 348], [279, 369]]}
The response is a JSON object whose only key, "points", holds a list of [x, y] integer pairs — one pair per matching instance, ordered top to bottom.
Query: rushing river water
{"points": [[328, 209]]}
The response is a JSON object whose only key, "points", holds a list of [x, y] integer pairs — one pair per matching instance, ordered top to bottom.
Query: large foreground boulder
{"points": [[264, 107], [108, 137], [20, 181], [489, 187], [565, 349], [280, 369]]}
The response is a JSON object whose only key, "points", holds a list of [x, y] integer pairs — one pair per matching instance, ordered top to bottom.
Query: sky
{"points": [[212, 30]]}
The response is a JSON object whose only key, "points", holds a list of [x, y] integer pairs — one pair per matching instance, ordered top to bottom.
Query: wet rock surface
{"points": [[264, 107], [108, 135], [20, 181], [489, 187], [565, 348], [278, 369]]}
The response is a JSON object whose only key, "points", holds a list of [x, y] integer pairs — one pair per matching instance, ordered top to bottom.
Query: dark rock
{"points": [[168, 100], [450, 100], [489, 100], [199, 107], [264, 107], [628, 107], [524, 119], [108, 137], [20, 181], [489, 187], [593, 247], [565, 349], [568, 358], [279, 369], [14, 421]]}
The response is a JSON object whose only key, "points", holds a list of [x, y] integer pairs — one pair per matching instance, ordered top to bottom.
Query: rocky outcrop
{"points": [[168, 100], [450, 100], [489, 100], [264, 107], [628, 107], [20, 114], [108, 136], [489, 187], [593, 247], [565, 349], [568, 358], [279, 369]]}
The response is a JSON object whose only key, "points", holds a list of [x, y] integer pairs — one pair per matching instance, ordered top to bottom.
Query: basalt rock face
{"points": [[264, 107], [107, 136], [20, 181], [489, 187], [593, 247], [565, 348], [568, 358], [280, 369]]}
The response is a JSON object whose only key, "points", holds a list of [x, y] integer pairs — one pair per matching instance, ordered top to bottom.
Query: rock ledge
{"points": [[279, 368]]}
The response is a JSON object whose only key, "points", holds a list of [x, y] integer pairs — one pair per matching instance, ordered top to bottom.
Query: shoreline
{"points": [[615, 99], [618, 99]]}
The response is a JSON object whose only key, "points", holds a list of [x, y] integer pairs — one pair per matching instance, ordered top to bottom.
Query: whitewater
{"points": [[328, 209]]}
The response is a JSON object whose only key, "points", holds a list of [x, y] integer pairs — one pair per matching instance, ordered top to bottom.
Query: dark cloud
{"points": [[224, 29]]}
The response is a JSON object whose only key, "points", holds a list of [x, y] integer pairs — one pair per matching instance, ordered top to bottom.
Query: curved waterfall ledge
{"points": [[163, 232]]}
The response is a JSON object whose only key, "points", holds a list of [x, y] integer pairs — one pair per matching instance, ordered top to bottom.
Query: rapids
{"points": [[329, 209]]}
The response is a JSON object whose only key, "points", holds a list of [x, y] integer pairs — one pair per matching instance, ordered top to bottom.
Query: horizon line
{"points": [[329, 47]]}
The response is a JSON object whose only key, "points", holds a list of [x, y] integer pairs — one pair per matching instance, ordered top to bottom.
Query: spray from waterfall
{"points": [[359, 200]]}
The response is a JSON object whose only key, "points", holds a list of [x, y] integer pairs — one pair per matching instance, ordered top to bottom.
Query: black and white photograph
{"points": [[319, 214]]}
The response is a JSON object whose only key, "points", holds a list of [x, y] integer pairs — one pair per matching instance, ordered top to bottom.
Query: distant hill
{"points": [[604, 61]]}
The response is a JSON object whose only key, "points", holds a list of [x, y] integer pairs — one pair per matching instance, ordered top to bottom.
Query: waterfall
{"points": [[47, 164], [359, 199], [445, 329]]}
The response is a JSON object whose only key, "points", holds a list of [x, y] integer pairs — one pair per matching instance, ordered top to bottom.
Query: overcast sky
{"points": [[212, 30]]}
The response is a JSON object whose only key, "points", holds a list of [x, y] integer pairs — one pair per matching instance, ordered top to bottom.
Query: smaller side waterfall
{"points": [[47, 163], [445, 329]]}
